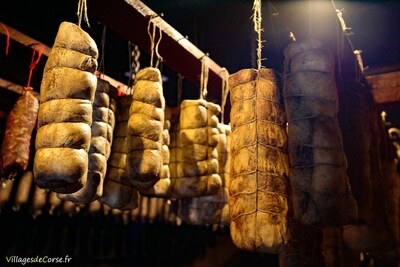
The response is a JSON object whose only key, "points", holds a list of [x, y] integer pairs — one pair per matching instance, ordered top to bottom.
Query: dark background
{"points": [[224, 30]]}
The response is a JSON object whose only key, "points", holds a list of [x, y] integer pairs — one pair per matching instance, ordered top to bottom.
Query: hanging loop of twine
{"points": [[82, 12], [257, 19], [8, 37], [154, 45], [34, 63], [204, 77], [224, 91]]}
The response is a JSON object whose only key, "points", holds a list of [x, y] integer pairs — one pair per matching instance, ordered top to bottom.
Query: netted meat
{"points": [[65, 112], [103, 121], [145, 129], [197, 156], [162, 186], [320, 186], [258, 187], [118, 191], [213, 209], [303, 248]]}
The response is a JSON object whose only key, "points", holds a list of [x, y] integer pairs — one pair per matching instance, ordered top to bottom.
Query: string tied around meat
{"points": [[82, 12], [7, 36], [34, 62]]}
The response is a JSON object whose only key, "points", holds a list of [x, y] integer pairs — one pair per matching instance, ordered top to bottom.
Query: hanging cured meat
{"points": [[65, 112], [21, 121], [103, 121], [356, 128], [145, 129], [173, 153], [197, 155], [259, 163], [162, 186], [320, 186], [23, 191], [118, 191], [5, 192], [39, 201], [54, 202], [213, 209], [375, 234], [303, 248]]}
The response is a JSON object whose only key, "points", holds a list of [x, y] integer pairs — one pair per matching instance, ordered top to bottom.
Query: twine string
{"points": [[82, 12], [257, 19], [8, 37], [34, 63], [204, 77]]}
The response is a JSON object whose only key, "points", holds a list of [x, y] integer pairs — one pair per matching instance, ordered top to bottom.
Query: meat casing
{"points": [[65, 112], [103, 122], [20, 123], [145, 129], [320, 186], [258, 188]]}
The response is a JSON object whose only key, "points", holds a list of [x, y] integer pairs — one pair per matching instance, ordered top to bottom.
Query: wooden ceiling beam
{"points": [[130, 18], [29, 42], [385, 87]]}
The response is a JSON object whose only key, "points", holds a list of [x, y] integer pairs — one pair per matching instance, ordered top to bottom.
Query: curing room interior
{"points": [[200, 133]]}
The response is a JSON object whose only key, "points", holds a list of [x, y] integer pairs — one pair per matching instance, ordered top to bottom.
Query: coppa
{"points": [[65, 113], [103, 121], [145, 129], [16, 144], [320, 186], [118, 192], [258, 201]]}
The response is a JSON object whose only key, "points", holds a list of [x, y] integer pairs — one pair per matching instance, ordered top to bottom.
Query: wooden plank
{"points": [[130, 18], [24, 39], [29, 43], [11, 86], [385, 87], [16, 88]]}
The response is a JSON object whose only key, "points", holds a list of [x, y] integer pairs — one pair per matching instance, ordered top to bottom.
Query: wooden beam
{"points": [[130, 18], [23, 39], [29, 43], [11, 86], [385, 87], [16, 88]]}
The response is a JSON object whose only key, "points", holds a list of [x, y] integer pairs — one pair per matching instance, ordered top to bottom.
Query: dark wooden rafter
{"points": [[130, 18], [29, 43], [385, 87]]}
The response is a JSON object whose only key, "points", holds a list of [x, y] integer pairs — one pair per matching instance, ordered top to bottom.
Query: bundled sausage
{"points": [[65, 112], [103, 121], [145, 129], [16, 144], [197, 156], [320, 186], [162, 187], [258, 189], [23, 191], [118, 191], [213, 209]]}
